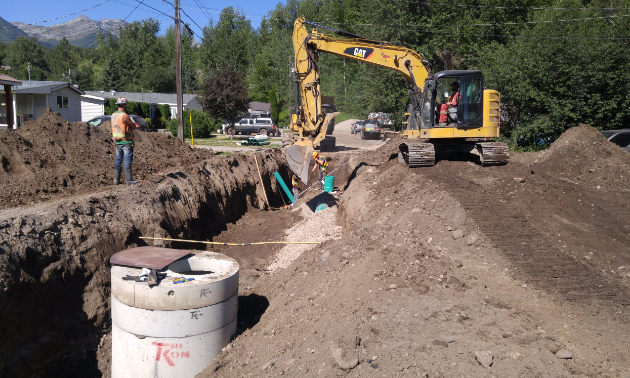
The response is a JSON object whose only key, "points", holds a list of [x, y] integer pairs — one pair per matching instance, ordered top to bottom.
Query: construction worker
{"points": [[452, 101], [122, 133], [322, 164], [296, 190]]}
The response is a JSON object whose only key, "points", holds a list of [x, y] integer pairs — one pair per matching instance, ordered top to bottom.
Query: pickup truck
{"points": [[263, 126]]}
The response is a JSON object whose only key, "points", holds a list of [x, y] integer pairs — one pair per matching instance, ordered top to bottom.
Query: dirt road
{"points": [[347, 142]]}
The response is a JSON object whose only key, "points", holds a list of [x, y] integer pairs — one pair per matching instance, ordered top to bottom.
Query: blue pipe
{"points": [[284, 186]]}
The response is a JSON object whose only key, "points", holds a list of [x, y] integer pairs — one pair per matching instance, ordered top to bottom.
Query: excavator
{"points": [[469, 128]]}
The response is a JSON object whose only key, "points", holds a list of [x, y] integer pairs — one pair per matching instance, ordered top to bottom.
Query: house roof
{"points": [[8, 80], [45, 87], [152, 98], [259, 107]]}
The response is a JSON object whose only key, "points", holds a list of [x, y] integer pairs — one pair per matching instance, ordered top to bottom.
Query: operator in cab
{"points": [[452, 101], [322, 164]]}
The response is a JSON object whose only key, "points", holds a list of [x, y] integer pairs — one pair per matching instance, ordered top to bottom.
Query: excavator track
{"points": [[493, 153], [420, 155]]}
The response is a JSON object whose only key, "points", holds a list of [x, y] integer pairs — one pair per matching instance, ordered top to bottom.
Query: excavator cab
{"points": [[437, 91]]}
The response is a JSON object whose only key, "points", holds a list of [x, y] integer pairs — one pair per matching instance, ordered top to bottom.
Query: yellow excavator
{"points": [[430, 128]]}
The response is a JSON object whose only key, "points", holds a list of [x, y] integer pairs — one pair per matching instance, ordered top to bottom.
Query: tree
{"points": [[23, 51], [224, 94], [275, 107]]}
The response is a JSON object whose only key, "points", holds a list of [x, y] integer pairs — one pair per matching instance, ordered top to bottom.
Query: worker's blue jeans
{"points": [[124, 151], [322, 179], [296, 195]]}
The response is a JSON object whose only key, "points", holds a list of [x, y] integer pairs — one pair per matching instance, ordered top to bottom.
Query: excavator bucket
{"points": [[390, 134], [299, 156]]}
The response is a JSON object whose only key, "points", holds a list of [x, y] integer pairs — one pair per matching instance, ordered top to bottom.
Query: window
{"points": [[62, 102], [622, 140]]}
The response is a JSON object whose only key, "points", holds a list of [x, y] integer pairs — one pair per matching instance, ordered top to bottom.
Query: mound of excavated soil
{"points": [[582, 154], [50, 157]]}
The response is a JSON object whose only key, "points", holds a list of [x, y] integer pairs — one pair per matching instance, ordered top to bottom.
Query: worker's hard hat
{"points": [[121, 101], [314, 153]]}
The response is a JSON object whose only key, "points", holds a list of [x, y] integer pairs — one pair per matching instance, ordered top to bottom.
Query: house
{"points": [[32, 98], [93, 102], [7, 108], [259, 110]]}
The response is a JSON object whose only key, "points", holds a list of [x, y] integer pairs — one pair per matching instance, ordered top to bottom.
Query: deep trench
{"points": [[54, 263]]}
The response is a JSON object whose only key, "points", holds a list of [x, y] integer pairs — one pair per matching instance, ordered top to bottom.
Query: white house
{"points": [[31, 98], [93, 102]]}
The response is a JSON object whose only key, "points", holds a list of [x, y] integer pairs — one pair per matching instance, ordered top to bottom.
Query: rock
{"points": [[519, 179], [72, 221], [458, 234], [472, 239], [325, 256], [587, 257], [458, 263], [455, 283], [393, 286], [507, 335], [450, 339], [440, 343], [398, 345], [553, 347], [564, 354], [484, 358], [269, 364], [348, 364]]}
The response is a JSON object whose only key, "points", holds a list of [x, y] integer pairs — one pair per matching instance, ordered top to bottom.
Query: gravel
{"points": [[320, 226]]}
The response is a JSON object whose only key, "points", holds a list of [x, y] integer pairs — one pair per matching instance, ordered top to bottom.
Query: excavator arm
{"points": [[309, 122]]}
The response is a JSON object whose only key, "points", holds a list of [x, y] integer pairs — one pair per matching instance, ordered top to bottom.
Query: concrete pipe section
{"points": [[173, 329]]}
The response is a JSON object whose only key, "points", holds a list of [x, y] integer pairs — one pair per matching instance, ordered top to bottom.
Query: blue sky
{"points": [[35, 11]]}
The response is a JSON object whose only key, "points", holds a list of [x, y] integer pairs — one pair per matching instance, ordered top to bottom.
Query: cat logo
{"points": [[359, 52]]}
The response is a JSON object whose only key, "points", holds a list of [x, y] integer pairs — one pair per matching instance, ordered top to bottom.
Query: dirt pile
{"points": [[584, 156], [50, 158], [456, 270]]}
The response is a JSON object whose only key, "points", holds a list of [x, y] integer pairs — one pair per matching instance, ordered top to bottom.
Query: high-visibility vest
{"points": [[117, 133], [324, 165], [295, 182]]}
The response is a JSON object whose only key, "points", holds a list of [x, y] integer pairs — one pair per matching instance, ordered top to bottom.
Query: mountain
{"points": [[80, 31], [8, 32]]}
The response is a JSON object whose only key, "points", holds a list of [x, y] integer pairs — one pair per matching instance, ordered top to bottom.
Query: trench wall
{"points": [[54, 258]]}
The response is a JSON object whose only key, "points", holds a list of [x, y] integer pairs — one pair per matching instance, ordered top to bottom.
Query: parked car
{"points": [[97, 121], [140, 122], [262, 126], [356, 127], [371, 128], [619, 137]]}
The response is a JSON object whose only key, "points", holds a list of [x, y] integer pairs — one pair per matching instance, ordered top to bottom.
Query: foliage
{"points": [[224, 94], [110, 106], [132, 108], [275, 108], [145, 109], [165, 111], [202, 124]]}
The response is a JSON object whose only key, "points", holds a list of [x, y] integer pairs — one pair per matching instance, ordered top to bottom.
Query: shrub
{"points": [[110, 106], [132, 108], [145, 109], [165, 111], [203, 126]]}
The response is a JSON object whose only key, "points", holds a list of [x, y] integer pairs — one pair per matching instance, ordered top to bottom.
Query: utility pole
{"points": [[29, 73], [178, 73]]}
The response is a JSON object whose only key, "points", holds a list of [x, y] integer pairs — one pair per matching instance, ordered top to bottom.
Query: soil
{"points": [[50, 158], [442, 268], [450, 270]]}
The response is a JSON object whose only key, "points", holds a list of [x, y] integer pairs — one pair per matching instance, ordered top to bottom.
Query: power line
{"points": [[498, 6], [134, 9], [71, 14], [492, 24]]}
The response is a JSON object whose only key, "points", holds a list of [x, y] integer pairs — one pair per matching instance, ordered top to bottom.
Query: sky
{"points": [[36, 11]]}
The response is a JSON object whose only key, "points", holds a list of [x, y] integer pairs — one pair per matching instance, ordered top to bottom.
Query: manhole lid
{"points": [[148, 257]]}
